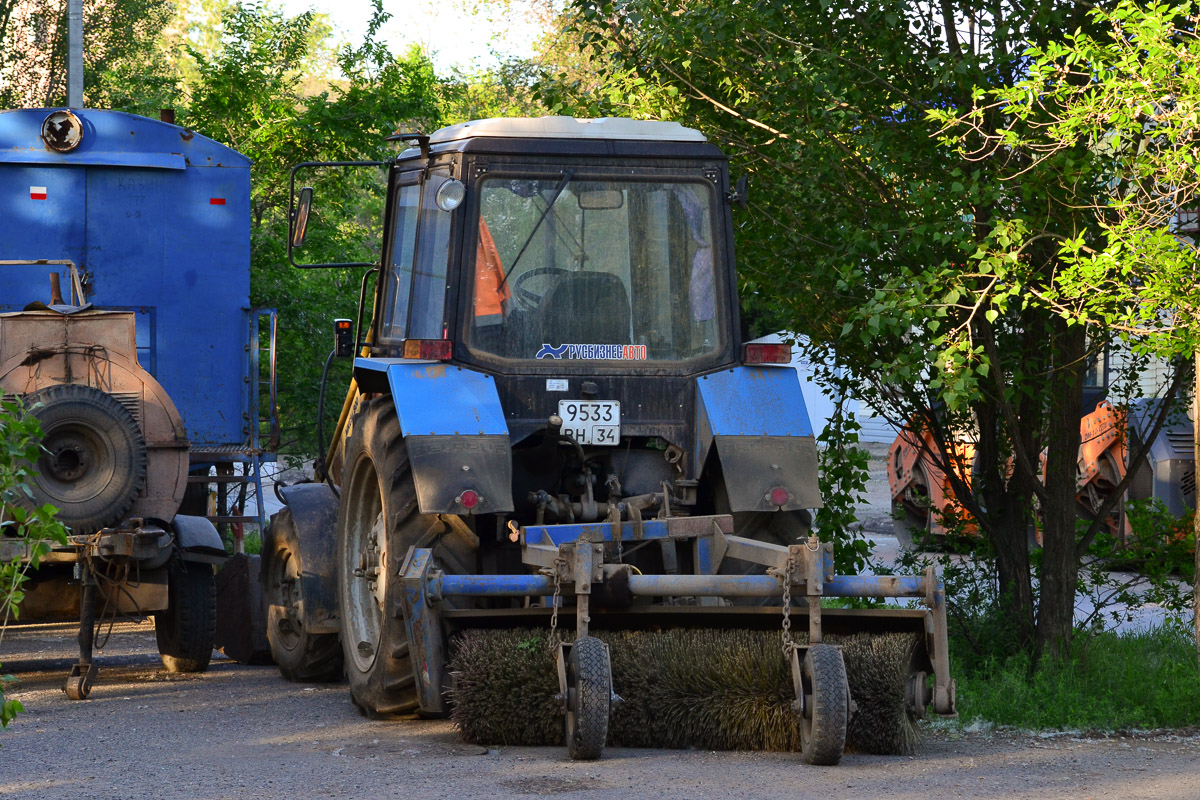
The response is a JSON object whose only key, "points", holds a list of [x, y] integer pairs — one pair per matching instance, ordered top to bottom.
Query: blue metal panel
{"points": [[159, 219], [33, 228], [435, 399], [754, 401]]}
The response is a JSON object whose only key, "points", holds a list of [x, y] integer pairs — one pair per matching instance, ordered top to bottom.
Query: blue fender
{"points": [[756, 419], [454, 426]]}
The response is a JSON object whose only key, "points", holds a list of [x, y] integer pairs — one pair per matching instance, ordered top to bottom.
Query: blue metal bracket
{"points": [[423, 623]]}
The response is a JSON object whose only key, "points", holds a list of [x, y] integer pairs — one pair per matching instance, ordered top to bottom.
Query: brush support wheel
{"points": [[589, 698], [825, 705]]}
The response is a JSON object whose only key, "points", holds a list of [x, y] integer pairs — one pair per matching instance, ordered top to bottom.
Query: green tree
{"points": [[126, 65], [254, 92], [1125, 100], [865, 230]]}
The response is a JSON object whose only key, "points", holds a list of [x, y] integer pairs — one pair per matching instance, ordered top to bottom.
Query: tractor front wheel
{"points": [[302, 655]]}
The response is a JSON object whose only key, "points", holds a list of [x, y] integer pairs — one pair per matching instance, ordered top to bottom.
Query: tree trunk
{"points": [[1007, 524], [1060, 564]]}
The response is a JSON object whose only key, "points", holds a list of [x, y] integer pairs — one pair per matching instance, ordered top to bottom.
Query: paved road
{"points": [[242, 732]]}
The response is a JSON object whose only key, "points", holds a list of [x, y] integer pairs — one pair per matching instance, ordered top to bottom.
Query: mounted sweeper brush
{"points": [[559, 467]]}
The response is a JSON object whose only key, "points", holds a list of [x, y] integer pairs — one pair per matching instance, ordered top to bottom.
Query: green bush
{"points": [[20, 435]]}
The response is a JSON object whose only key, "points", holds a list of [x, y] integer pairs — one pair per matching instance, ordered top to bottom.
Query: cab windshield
{"points": [[578, 269]]}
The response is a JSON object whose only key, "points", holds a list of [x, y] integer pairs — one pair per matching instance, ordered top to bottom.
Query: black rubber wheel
{"points": [[95, 464], [911, 513], [378, 521], [186, 631], [302, 656], [589, 696], [826, 711]]}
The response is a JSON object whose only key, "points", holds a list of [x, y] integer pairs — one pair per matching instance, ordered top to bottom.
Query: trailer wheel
{"points": [[95, 464], [378, 522], [187, 629], [302, 656], [589, 695], [825, 712]]}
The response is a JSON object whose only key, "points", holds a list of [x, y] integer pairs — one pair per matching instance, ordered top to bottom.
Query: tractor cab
{"points": [[581, 272]]}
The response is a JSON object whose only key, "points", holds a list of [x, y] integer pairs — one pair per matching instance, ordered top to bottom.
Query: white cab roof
{"points": [[568, 128]]}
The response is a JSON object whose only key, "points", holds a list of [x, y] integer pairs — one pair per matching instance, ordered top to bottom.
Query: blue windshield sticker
{"points": [[595, 352]]}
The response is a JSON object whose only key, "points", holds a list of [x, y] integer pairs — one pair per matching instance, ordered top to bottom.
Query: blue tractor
{"points": [[126, 329], [554, 422]]}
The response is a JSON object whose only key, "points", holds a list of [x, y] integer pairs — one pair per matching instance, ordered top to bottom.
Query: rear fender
{"points": [[756, 420], [455, 429], [314, 511], [198, 538]]}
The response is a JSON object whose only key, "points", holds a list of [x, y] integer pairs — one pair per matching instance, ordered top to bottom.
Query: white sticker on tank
{"points": [[556, 384]]}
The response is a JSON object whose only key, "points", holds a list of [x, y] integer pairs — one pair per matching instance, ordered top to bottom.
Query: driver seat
{"points": [[586, 308]]}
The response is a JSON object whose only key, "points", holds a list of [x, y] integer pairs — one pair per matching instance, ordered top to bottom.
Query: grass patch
{"points": [[1109, 682]]}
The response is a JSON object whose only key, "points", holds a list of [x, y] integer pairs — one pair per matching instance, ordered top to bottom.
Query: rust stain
{"points": [[435, 371]]}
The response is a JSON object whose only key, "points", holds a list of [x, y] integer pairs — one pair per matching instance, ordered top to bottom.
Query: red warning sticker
{"points": [[37, 192], [216, 201]]}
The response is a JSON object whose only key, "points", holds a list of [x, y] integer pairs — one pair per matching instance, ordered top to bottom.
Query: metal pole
{"points": [[75, 53], [1196, 502]]}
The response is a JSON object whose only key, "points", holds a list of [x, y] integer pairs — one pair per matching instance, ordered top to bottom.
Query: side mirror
{"points": [[738, 195], [300, 217]]}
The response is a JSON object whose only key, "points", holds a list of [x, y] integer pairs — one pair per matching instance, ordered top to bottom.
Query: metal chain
{"points": [[559, 563], [788, 644]]}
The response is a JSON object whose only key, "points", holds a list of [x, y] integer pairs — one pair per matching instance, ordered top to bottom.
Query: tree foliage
{"points": [[126, 62], [252, 90], [1125, 103], [870, 234], [34, 529]]}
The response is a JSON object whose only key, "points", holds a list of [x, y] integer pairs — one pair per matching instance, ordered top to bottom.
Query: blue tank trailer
{"points": [[147, 224]]}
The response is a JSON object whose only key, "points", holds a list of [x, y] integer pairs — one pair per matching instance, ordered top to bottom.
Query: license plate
{"points": [[591, 421]]}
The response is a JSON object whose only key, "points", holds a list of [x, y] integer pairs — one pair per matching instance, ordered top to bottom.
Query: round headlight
{"points": [[450, 195]]}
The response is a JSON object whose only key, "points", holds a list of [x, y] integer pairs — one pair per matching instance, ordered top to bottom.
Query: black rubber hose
{"points": [[320, 460]]}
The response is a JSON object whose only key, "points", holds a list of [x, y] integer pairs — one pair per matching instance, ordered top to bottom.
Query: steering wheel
{"points": [[529, 299]]}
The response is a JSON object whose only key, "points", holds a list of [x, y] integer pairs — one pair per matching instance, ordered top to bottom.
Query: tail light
{"points": [[429, 349], [761, 353]]}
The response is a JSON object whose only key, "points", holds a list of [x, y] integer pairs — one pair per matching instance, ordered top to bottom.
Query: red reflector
{"points": [[216, 201], [429, 349], [759, 353], [779, 496], [468, 499]]}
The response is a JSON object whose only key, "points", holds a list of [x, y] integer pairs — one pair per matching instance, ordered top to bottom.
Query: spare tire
{"points": [[94, 466]]}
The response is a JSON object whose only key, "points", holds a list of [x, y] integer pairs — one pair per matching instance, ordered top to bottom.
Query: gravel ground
{"points": [[243, 732]]}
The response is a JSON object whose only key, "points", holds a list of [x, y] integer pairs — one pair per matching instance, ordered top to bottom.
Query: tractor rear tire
{"points": [[95, 464], [378, 522], [186, 630], [302, 656], [589, 690], [826, 713]]}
